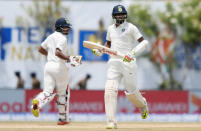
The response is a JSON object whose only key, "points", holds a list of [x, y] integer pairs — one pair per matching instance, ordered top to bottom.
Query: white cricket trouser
{"points": [[116, 70], [56, 75]]}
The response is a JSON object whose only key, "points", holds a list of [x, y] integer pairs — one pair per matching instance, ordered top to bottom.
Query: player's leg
{"points": [[111, 92], [132, 92], [63, 93], [46, 96], [139, 101]]}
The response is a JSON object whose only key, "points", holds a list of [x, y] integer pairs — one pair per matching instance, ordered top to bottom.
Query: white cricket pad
{"points": [[111, 91], [44, 98], [137, 99], [63, 105]]}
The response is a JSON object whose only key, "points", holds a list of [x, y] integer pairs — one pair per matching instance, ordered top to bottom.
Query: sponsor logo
{"points": [[109, 52], [11, 107], [94, 107]]}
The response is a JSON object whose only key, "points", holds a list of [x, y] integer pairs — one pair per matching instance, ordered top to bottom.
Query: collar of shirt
{"points": [[60, 33]]}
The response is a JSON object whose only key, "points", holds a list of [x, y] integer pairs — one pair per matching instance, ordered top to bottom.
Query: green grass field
{"points": [[98, 126]]}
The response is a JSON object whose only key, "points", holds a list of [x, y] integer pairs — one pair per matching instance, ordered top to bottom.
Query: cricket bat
{"points": [[104, 49]]}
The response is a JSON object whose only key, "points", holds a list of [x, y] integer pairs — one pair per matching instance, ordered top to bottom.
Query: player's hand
{"points": [[97, 52], [129, 57], [75, 60]]}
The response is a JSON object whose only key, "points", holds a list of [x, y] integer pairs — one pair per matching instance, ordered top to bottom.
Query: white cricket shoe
{"points": [[144, 112], [111, 126]]}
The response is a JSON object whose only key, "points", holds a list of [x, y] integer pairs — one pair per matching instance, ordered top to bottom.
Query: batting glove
{"points": [[97, 52], [129, 57], [75, 61]]}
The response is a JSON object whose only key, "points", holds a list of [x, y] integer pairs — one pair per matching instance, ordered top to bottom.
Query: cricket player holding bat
{"points": [[121, 37], [56, 72]]}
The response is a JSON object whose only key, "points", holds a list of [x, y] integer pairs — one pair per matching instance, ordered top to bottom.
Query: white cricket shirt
{"points": [[123, 37], [53, 41]]}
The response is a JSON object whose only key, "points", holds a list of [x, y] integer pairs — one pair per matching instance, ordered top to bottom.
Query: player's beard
{"points": [[119, 19], [65, 31]]}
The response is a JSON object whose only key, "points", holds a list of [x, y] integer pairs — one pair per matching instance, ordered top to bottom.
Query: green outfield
{"points": [[99, 126]]}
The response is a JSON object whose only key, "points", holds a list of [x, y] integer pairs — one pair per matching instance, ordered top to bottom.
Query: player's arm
{"points": [[108, 44], [143, 44], [43, 47], [42, 51], [59, 54], [74, 60]]}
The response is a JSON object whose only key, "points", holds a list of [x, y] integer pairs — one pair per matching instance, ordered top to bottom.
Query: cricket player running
{"points": [[121, 36], [56, 71]]}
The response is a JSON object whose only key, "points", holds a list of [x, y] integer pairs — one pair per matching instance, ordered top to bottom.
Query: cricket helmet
{"points": [[119, 10], [61, 23]]}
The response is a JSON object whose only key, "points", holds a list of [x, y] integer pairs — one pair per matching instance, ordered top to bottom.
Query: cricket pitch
{"points": [[99, 126]]}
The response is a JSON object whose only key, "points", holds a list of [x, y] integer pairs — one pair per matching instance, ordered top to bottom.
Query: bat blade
{"points": [[92, 45]]}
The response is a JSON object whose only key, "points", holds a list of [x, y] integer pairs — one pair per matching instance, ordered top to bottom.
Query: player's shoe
{"points": [[35, 108], [144, 112], [62, 122], [111, 126]]}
